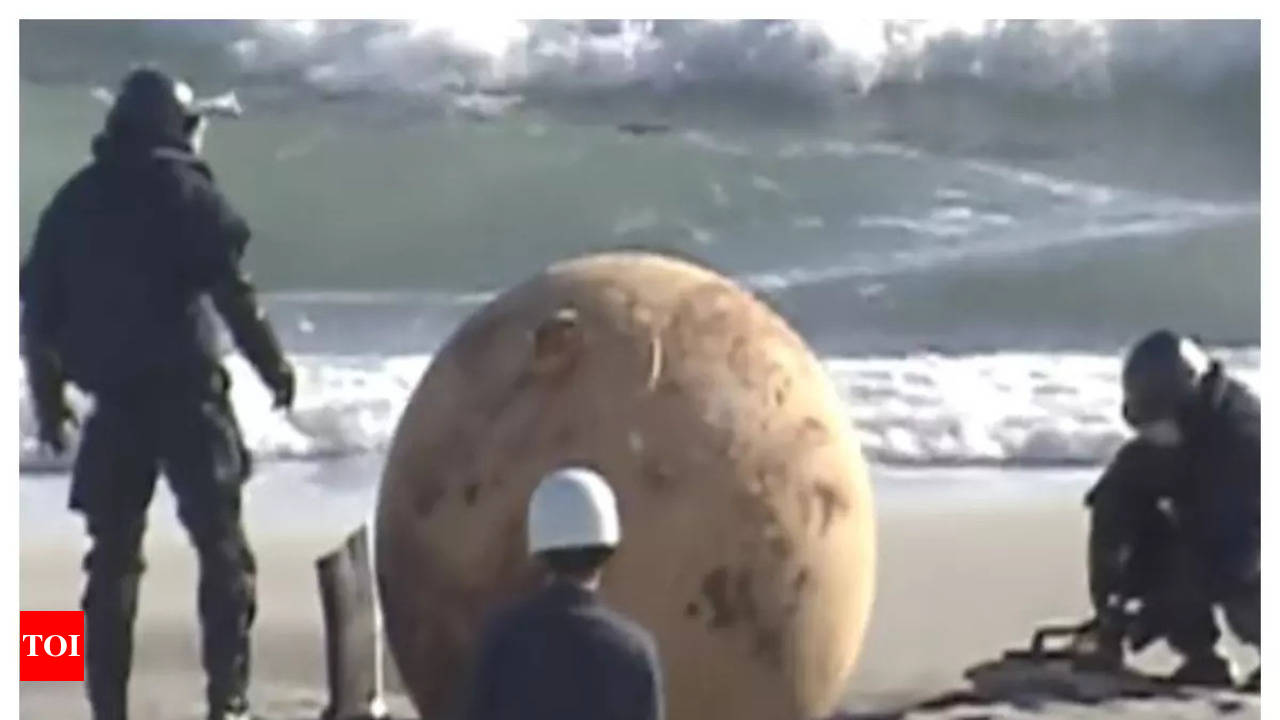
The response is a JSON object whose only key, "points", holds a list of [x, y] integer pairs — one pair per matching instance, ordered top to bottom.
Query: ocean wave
{"points": [[819, 56], [486, 67], [995, 235], [1003, 408]]}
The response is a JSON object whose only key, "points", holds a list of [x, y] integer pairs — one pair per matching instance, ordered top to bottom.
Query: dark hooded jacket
{"points": [[128, 258], [1211, 482], [1219, 492]]}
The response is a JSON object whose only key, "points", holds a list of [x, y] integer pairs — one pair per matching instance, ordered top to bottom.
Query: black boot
{"points": [[1098, 646], [1205, 669], [237, 709]]}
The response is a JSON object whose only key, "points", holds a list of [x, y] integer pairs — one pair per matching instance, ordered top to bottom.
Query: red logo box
{"points": [[51, 645]]}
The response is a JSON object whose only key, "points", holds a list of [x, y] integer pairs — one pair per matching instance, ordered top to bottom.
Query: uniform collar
{"points": [[135, 149], [569, 593]]}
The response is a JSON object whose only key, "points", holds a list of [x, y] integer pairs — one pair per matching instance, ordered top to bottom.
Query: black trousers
{"points": [[190, 434], [1138, 550]]}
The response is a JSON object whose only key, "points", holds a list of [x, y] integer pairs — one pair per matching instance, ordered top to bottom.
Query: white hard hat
{"points": [[573, 507]]}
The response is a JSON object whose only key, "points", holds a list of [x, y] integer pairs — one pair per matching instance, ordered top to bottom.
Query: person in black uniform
{"points": [[129, 259], [1176, 517], [563, 655]]}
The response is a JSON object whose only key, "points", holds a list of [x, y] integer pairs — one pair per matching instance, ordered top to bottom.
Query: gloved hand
{"points": [[45, 380], [283, 384], [53, 426], [1098, 645]]}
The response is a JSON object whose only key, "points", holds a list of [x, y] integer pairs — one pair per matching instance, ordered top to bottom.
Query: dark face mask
{"points": [[1141, 409], [1159, 417], [1162, 433]]}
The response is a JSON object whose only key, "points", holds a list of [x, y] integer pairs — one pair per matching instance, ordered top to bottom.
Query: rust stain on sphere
{"points": [[748, 529]]}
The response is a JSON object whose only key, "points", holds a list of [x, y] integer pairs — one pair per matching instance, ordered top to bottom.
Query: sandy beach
{"points": [[970, 561]]}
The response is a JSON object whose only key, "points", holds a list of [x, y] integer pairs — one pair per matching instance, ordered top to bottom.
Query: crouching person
{"points": [[1176, 518]]}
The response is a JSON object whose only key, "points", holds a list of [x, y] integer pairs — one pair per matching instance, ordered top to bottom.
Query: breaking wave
{"points": [[486, 67], [997, 409]]}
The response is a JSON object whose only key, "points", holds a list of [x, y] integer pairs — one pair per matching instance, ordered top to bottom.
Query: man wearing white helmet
{"points": [[1176, 517], [563, 655]]}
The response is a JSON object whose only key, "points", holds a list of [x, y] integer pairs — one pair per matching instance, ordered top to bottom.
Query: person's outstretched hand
{"points": [[283, 386]]}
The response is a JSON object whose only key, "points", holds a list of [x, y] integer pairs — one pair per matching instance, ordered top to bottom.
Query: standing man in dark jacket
{"points": [[116, 294], [1176, 518], [563, 655]]}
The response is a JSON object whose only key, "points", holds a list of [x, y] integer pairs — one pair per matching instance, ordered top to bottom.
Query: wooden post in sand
{"points": [[353, 630]]}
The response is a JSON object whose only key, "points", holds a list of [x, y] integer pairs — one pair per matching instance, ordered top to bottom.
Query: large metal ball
{"points": [[748, 528]]}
